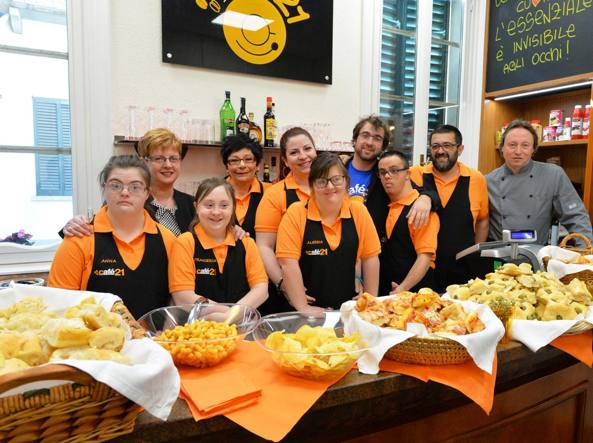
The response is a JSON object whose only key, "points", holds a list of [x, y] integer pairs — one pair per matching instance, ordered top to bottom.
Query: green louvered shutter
{"points": [[398, 64], [51, 123]]}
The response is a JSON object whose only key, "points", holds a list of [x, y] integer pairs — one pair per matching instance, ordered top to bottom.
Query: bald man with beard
{"points": [[464, 206]]}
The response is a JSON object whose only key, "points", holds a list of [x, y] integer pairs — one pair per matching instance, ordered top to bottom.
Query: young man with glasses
{"points": [[370, 137], [527, 194], [464, 205], [407, 253]]}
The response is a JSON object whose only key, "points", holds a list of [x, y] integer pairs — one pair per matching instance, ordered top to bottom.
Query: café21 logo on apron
{"points": [[280, 38]]}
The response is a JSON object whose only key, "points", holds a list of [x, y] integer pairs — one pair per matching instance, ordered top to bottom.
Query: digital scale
{"points": [[516, 246]]}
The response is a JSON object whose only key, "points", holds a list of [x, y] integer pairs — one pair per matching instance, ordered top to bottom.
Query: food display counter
{"points": [[543, 396]]}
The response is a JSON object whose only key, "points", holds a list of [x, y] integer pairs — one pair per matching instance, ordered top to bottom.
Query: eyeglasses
{"points": [[366, 135], [445, 146], [516, 147], [161, 159], [238, 161], [390, 171], [336, 180], [133, 188]]}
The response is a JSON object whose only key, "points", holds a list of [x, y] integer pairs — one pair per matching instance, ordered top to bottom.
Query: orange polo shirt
{"points": [[478, 190], [242, 204], [273, 204], [292, 229], [424, 239], [73, 261], [182, 267]]}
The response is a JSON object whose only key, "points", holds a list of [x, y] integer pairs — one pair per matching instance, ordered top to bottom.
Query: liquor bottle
{"points": [[227, 117], [242, 120], [269, 124], [254, 129], [277, 136], [273, 170], [266, 173]]}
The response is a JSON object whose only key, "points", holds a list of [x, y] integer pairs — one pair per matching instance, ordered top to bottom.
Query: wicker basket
{"points": [[587, 250], [584, 276], [579, 328], [428, 351], [83, 411]]}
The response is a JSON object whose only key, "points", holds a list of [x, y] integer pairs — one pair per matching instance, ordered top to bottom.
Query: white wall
{"points": [[140, 78]]}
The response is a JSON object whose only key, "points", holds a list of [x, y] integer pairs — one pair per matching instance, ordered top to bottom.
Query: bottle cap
{"points": [[269, 99]]}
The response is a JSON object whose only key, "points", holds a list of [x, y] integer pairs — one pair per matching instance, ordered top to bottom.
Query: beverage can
{"points": [[556, 117], [577, 123], [549, 134]]}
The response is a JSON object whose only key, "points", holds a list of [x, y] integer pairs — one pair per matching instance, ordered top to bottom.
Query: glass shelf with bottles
{"points": [[122, 140], [335, 146]]}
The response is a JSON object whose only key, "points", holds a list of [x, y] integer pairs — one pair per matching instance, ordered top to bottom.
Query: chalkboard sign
{"points": [[278, 38], [531, 41]]}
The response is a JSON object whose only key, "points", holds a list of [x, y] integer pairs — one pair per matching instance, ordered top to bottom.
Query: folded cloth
{"points": [[557, 257], [536, 334], [580, 346], [467, 378], [151, 381], [217, 391], [284, 398]]}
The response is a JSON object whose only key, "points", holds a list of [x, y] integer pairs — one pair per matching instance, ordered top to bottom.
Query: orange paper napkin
{"points": [[580, 346], [467, 378], [216, 392], [284, 398], [198, 415]]}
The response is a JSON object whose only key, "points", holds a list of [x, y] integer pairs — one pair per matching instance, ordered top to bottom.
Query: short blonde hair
{"points": [[158, 137]]}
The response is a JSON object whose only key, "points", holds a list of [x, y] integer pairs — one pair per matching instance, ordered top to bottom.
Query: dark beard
{"points": [[446, 167]]}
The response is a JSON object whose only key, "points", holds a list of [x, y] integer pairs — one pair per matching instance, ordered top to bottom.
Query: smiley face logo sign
{"points": [[254, 30], [282, 38]]}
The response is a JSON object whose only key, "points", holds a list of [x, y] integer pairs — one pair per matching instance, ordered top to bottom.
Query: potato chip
{"points": [[313, 352]]}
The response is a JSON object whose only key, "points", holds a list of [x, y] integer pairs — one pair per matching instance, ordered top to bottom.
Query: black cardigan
{"points": [[185, 209]]}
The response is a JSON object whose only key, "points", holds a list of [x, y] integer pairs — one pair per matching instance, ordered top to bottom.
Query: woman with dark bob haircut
{"points": [[241, 157], [328, 247], [128, 252]]}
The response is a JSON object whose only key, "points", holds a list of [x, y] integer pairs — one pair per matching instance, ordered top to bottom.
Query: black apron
{"points": [[248, 224], [456, 233], [398, 256], [329, 275], [228, 287], [143, 289], [277, 302]]}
